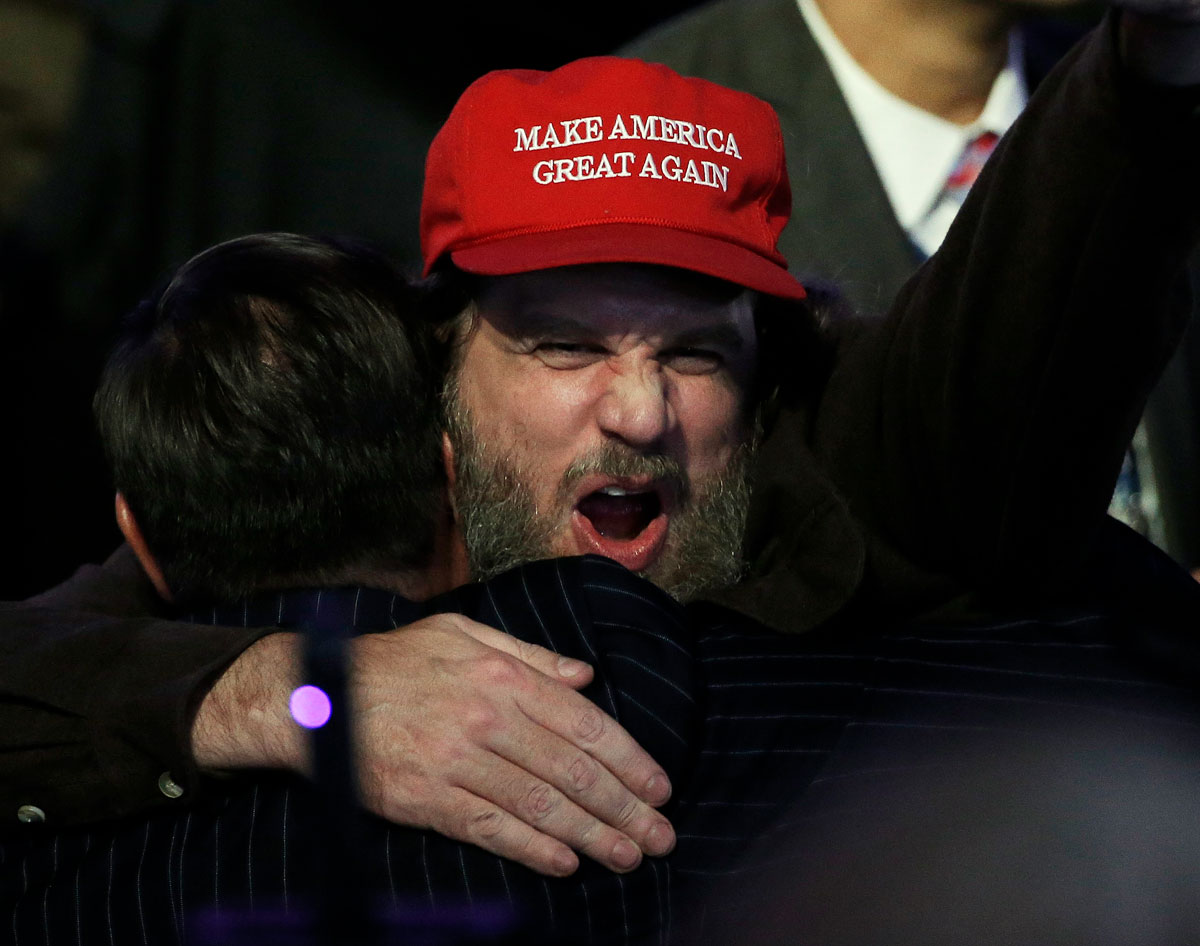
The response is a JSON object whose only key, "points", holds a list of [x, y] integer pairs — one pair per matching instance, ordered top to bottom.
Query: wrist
{"points": [[243, 721]]}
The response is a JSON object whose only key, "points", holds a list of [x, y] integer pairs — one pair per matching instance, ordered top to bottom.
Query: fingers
{"points": [[574, 673], [581, 723], [468, 731], [610, 781], [575, 799], [545, 809], [480, 822]]}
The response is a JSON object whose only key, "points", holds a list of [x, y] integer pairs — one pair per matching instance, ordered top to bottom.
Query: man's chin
{"points": [[636, 553]]}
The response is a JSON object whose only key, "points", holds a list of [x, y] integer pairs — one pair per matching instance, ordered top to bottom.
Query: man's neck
{"points": [[941, 55], [446, 567]]}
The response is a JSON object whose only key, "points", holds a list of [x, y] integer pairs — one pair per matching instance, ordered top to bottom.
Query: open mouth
{"points": [[620, 514], [627, 522]]}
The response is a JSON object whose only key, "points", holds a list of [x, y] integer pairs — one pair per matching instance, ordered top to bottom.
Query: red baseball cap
{"points": [[608, 160]]}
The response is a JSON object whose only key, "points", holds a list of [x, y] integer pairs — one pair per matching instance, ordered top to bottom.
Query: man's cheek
{"points": [[713, 433]]}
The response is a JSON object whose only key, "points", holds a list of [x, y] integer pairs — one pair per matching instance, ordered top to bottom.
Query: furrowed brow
{"points": [[533, 324], [722, 335]]}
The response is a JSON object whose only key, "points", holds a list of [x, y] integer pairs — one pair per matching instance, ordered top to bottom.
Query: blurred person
{"points": [[41, 52], [880, 106], [1073, 831]]}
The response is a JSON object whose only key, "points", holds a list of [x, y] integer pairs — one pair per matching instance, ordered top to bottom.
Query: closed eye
{"points": [[566, 355], [690, 360]]}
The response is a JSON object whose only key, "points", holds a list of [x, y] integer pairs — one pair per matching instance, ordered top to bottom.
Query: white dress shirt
{"points": [[914, 150]]}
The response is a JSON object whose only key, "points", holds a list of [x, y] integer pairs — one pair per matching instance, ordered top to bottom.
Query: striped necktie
{"points": [[970, 163]]}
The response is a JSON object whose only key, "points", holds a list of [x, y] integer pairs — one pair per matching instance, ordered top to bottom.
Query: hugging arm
{"points": [[96, 696], [462, 729], [465, 730]]}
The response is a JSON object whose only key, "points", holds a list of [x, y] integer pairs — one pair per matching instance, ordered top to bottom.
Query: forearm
{"points": [[243, 721]]}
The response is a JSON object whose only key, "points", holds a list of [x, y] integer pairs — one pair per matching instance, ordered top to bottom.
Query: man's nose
{"points": [[635, 407]]}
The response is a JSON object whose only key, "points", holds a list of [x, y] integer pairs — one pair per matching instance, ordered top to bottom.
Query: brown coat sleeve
{"points": [[97, 695]]}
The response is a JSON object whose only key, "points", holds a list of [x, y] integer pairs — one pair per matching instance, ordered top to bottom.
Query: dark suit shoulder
{"points": [[712, 42]]}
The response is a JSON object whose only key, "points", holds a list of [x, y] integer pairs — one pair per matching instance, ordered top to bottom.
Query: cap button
{"points": [[168, 786], [30, 814]]}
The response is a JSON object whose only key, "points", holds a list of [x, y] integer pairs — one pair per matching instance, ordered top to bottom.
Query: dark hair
{"points": [[795, 349], [271, 417]]}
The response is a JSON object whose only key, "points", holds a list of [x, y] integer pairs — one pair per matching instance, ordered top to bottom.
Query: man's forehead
{"points": [[675, 297]]}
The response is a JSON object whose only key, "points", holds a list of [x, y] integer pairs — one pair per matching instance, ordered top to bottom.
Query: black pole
{"points": [[343, 909]]}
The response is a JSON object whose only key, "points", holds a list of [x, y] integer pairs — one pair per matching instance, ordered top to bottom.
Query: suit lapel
{"points": [[842, 227]]}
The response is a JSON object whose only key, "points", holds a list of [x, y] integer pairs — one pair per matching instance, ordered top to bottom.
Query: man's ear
{"points": [[133, 535]]}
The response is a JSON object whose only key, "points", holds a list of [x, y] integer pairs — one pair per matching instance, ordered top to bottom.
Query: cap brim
{"points": [[629, 243]]}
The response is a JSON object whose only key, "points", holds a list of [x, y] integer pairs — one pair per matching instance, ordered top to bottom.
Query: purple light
{"points": [[310, 706]]}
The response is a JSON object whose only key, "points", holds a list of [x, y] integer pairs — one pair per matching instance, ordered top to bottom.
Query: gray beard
{"points": [[502, 526]]}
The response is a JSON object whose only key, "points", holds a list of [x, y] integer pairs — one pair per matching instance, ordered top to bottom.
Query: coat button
{"points": [[168, 786], [30, 814]]}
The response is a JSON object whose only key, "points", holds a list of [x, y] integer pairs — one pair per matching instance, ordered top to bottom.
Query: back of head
{"points": [[271, 418]]}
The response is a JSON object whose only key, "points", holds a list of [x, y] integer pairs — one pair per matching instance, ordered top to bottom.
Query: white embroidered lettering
{"points": [[618, 129], [644, 129], [527, 139], [624, 157], [716, 175]]}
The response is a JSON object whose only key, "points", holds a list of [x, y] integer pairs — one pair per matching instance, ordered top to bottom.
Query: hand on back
{"points": [[465, 730]]}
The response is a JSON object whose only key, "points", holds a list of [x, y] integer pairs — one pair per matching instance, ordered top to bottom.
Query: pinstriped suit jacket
{"points": [[747, 723], [248, 850]]}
